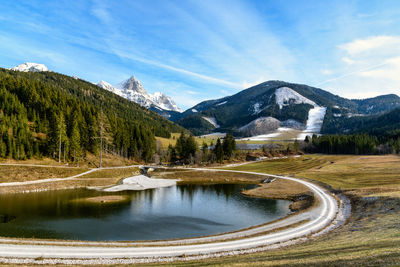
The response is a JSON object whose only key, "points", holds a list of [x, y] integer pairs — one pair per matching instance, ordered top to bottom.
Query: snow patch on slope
{"points": [[30, 67], [105, 85], [285, 96], [222, 103], [256, 108], [211, 120], [267, 137], [140, 182]]}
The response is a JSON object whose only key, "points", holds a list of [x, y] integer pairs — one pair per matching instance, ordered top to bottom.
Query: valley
{"points": [[200, 133]]}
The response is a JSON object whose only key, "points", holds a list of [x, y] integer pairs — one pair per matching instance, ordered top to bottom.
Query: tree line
{"points": [[49, 114], [359, 144], [186, 150]]}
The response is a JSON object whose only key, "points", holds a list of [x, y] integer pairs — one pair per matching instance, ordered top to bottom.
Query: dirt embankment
{"points": [[59, 185], [277, 188]]}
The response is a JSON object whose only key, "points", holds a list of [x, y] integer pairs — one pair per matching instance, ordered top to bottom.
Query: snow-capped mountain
{"points": [[28, 66], [133, 90]]}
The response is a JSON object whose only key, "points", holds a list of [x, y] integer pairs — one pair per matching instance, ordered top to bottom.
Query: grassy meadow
{"points": [[371, 236]]}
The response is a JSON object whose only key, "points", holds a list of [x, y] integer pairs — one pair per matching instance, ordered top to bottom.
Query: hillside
{"points": [[287, 102], [43, 111], [380, 124]]}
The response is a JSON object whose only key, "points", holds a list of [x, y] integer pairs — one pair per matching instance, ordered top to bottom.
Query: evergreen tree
{"points": [[61, 135], [75, 142], [229, 145], [186, 147], [219, 151], [205, 152]]}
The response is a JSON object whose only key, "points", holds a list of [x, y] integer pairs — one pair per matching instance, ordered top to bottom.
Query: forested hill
{"points": [[41, 112]]}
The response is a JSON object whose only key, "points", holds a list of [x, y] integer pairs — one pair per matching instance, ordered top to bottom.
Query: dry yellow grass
{"points": [[165, 142], [27, 173], [113, 173], [369, 173], [189, 176], [278, 189], [371, 237]]}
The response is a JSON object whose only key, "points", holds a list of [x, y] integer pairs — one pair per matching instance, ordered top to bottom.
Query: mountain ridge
{"points": [[130, 89], [133, 90], [235, 111]]}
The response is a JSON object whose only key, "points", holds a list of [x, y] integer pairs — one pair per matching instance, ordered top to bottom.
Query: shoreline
{"points": [[327, 208]]}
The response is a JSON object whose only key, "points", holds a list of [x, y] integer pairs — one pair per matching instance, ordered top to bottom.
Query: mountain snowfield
{"points": [[28, 66], [133, 90], [285, 96], [267, 128]]}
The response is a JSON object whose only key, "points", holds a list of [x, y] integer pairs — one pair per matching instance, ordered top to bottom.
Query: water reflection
{"points": [[175, 212]]}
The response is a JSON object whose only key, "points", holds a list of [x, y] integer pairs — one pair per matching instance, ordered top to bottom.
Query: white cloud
{"points": [[100, 12], [372, 43], [348, 60], [369, 67], [390, 70], [326, 72], [190, 92]]}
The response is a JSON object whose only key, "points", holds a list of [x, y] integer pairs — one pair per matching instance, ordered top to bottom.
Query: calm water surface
{"points": [[165, 213]]}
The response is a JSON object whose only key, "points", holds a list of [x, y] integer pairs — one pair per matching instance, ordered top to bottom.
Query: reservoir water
{"points": [[165, 213]]}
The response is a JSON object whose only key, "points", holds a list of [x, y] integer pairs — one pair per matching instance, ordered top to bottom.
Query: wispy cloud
{"points": [[100, 11], [369, 44], [372, 67], [356, 72]]}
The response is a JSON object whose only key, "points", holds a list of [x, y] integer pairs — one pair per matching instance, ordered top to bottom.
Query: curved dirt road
{"points": [[317, 218]]}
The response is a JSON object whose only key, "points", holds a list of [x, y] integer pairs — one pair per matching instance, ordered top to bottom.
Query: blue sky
{"points": [[197, 50]]}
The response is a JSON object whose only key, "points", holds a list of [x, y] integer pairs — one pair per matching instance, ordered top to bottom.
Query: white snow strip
{"points": [[219, 104], [194, 110], [212, 120], [315, 120], [266, 137], [140, 182]]}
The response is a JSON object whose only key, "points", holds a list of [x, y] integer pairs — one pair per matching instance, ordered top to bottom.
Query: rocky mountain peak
{"points": [[132, 84]]}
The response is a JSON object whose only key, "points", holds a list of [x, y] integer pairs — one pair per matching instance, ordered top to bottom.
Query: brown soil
{"points": [[102, 199]]}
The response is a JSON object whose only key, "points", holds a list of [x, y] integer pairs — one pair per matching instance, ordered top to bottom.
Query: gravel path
{"points": [[320, 217]]}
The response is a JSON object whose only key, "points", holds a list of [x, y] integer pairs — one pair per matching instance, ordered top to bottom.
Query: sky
{"points": [[198, 50]]}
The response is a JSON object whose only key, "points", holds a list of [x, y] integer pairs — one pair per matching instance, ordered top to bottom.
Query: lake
{"points": [[175, 212]]}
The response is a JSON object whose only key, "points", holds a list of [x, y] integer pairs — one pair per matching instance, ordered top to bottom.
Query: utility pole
{"points": [[59, 148]]}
